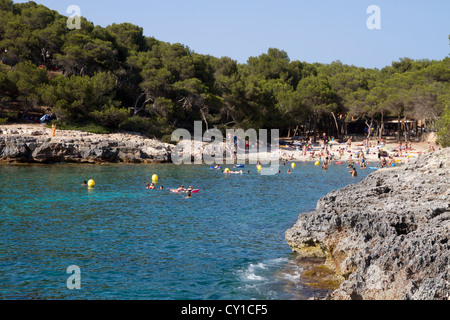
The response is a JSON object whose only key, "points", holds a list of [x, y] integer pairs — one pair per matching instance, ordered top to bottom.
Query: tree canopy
{"points": [[121, 79]]}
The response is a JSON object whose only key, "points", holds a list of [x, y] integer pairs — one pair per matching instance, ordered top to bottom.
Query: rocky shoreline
{"points": [[36, 145], [385, 238]]}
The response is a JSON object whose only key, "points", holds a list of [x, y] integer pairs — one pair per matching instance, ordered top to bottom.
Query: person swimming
{"points": [[233, 172], [84, 183], [151, 186], [181, 188], [189, 195]]}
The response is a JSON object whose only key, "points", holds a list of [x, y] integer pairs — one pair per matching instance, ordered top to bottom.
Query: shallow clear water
{"points": [[227, 242]]}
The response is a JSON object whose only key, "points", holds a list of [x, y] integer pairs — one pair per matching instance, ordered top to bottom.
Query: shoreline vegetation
{"points": [[102, 79]]}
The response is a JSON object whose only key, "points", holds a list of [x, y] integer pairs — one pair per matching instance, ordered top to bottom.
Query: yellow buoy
{"points": [[317, 163], [293, 165], [259, 167], [155, 177], [91, 183]]}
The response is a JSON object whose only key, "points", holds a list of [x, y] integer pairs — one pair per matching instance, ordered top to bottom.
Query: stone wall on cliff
{"points": [[387, 237]]}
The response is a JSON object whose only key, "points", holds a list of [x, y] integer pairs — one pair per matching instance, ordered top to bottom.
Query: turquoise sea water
{"points": [[227, 242]]}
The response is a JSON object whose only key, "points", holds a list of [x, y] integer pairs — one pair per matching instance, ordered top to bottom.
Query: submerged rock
{"points": [[387, 237]]}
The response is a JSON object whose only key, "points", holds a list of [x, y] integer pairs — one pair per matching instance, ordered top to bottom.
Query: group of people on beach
{"points": [[326, 151]]}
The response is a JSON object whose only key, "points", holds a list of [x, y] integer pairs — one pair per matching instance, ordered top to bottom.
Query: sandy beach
{"points": [[350, 152]]}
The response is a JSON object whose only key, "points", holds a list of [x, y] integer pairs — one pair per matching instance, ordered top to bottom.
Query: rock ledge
{"points": [[37, 146], [387, 237]]}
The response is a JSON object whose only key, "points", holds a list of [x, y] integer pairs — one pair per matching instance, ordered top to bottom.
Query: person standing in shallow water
{"points": [[349, 143]]}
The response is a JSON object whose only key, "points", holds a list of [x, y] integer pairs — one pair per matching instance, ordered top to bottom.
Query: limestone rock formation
{"points": [[22, 145], [387, 237]]}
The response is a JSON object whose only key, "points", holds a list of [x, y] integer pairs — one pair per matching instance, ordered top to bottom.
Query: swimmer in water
{"points": [[363, 164], [233, 172], [84, 183], [181, 188], [189, 194]]}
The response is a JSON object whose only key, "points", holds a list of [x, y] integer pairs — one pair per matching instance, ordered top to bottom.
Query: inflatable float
{"points": [[214, 168], [228, 171], [192, 191]]}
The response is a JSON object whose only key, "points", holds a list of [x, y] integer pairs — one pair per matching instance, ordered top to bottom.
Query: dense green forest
{"points": [[117, 78]]}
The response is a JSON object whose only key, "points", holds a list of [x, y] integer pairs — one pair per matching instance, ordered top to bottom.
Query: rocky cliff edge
{"points": [[35, 145], [387, 237]]}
